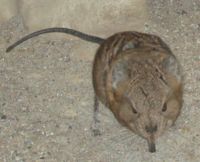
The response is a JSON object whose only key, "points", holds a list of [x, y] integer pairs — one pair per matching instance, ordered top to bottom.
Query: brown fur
{"points": [[138, 78]]}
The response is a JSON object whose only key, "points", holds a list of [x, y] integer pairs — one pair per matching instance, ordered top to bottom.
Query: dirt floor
{"points": [[46, 96]]}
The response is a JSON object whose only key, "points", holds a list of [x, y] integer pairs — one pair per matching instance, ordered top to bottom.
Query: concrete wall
{"points": [[8, 9], [94, 16]]}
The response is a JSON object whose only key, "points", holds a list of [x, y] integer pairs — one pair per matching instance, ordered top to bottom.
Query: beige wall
{"points": [[8, 9], [97, 16]]}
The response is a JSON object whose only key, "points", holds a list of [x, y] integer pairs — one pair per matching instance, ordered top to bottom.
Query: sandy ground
{"points": [[46, 96]]}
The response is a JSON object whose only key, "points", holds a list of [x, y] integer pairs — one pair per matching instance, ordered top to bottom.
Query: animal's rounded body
{"points": [[138, 78]]}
